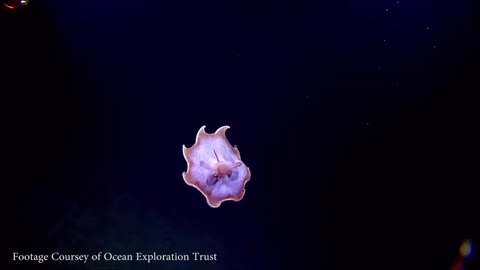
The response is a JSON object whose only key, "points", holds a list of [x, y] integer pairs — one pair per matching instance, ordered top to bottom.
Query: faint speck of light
{"points": [[386, 9], [427, 28], [466, 249], [457, 265]]}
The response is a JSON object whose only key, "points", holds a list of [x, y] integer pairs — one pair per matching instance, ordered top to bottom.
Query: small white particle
{"points": [[398, 2], [386, 9], [427, 28], [384, 40], [434, 46]]}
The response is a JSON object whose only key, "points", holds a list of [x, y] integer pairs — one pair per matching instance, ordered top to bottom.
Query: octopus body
{"points": [[215, 169]]}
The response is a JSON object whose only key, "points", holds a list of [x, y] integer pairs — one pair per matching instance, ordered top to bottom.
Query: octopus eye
{"points": [[229, 173], [212, 179]]}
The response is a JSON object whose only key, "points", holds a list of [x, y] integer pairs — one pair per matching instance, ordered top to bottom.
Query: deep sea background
{"points": [[358, 120]]}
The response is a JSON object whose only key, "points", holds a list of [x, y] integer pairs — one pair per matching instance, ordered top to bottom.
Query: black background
{"points": [[357, 120]]}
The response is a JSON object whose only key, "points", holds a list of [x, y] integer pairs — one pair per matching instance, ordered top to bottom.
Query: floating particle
{"points": [[466, 249]]}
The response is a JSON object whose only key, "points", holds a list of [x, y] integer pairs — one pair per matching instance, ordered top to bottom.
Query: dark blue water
{"points": [[356, 119]]}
